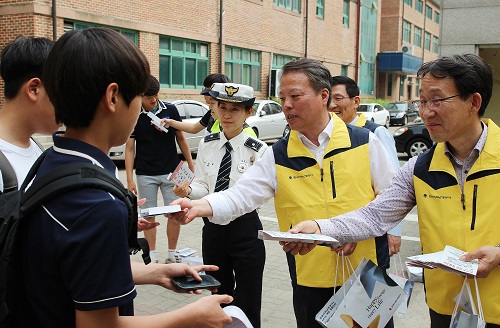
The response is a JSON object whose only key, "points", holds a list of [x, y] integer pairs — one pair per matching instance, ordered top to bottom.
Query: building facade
{"points": [[473, 27], [410, 32], [248, 40]]}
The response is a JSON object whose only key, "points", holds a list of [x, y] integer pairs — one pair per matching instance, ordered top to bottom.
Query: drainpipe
{"points": [[221, 12], [54, 21], [358, 26], [307, 28]]}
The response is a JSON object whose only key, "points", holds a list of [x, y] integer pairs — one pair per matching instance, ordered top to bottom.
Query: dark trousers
{"points": [[240, 256], [308, 301], [443, 321]]}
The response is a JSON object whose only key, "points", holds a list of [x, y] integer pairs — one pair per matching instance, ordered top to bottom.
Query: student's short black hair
{"points": [[22, 60], [81, 66], [215, 78], [153, 86], [351, 87]]}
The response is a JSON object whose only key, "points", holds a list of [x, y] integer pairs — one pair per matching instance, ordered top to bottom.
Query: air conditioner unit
{"points": [[407, 49], [274, 83]]}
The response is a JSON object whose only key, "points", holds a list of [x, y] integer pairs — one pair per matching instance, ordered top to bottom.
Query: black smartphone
{"points": [[189, 283]]}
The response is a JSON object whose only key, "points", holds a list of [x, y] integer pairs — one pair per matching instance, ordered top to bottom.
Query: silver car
{"points": [[268, 120]]}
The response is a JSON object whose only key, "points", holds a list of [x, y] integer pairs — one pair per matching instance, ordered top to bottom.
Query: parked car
{"points": [[190, 111], [402, 112], [376, 113], [268, 120], [412, 139]]}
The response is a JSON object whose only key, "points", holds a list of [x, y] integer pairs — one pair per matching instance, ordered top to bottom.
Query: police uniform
{"points": [[234, 247]]}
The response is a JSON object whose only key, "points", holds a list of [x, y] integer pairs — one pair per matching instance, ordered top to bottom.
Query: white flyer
{"points": [[155, 120], [152, 211], [299, 237]]}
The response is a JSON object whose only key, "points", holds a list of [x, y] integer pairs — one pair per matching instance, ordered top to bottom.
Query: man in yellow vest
{"points": [[345, 103], [323, 168], [455, 185]]}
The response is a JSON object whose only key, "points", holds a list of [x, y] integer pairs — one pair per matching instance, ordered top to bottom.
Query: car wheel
{"points": [[387, 122], [286, 130], [256, 131], [417, 146]]}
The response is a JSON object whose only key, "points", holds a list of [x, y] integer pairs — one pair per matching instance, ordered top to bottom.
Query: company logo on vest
{"points": [[437, 197]]}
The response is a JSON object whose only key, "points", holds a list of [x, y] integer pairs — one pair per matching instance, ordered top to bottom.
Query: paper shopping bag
{"points": [[397, 274], [369, 300], [465, 314]]}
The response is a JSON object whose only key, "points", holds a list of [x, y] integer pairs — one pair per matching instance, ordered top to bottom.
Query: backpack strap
{"points": [[8, 174], [75, 176]]}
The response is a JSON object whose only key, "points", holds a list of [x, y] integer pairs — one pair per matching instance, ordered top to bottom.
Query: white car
{"points": [[190, 111], [376, 113], [268, 120]]}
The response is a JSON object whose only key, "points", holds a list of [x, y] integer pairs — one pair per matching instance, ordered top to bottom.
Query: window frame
{"points": [[292, 5], [346, 7], [320, 8], [406, 31], [417, 36], [199, 57], [245, 65]]}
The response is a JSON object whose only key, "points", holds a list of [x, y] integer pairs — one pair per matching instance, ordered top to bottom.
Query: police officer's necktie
{"points": [[224, 170]]}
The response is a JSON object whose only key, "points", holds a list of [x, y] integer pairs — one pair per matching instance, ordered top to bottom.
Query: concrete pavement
{"points": [[277, 310]]}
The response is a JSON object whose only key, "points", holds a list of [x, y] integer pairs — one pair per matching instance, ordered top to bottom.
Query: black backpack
{"points": [[15, 205]]}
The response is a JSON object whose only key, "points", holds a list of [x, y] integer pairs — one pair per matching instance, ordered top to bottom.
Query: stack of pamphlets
{"points": [[181, 174], [160, 210], [296, 237], [447, 259]]}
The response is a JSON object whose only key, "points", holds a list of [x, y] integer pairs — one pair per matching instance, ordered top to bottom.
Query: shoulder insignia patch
{"points": [[212, 137], [253, 144]]}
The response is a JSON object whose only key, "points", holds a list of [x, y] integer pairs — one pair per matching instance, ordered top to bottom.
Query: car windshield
{"points": [[393, 106], [364, 108]]}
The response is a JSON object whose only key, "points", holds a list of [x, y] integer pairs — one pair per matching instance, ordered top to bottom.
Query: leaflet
{"points": [[155, 120], [181, 174], [160, 210], [295, 237], [447, 259], [240, 320]]}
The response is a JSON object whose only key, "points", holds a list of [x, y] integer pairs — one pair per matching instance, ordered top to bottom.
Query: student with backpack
{"points": [[74, 258]]}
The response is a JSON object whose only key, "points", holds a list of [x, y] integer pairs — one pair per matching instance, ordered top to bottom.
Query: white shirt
{"points": [[210, 155], [21, 159], [259, 183]]}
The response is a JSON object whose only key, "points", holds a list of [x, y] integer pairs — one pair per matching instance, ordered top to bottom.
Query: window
{"points": [[409, 3], [293, 5], [419, 6], [320, 8], [428, 12], [345, 13], [436, 17], [406, 31], [129, 34], [417, 36], [427, 41], [435, 45], [280, 60], [183, 63], [243, 66], [344, 69]]}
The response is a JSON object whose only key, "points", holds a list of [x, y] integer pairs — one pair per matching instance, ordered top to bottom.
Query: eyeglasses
{"points": [[339, 99], [433, 104]]}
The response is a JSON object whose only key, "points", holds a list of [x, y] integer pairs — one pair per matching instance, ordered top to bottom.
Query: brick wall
{"points": [[252, 24]]}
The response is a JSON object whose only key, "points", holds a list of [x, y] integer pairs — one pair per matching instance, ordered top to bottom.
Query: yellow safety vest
{"points": [[305, 192], [467, 222]]}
